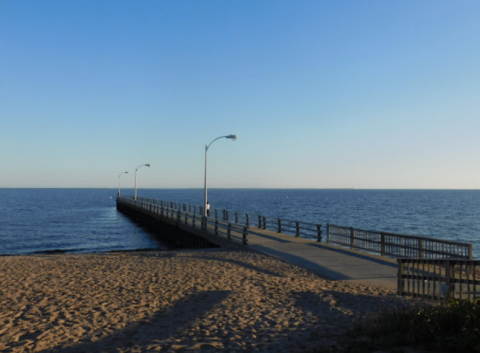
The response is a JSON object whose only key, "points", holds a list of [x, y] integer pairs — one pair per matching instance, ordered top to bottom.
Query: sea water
{"points": [[86, 220]]}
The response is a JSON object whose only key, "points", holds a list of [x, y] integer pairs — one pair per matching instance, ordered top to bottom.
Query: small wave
{"points": [[56, 251]]}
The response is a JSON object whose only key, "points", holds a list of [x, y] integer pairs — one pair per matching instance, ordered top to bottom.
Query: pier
{"points": [[334, 252]]}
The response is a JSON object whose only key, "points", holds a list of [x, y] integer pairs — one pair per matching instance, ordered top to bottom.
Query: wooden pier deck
{"points": [[328, 261]]}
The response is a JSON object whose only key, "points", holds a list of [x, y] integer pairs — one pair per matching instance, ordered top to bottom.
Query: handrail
{"points": [[191, 219], [375, 242], [396, 245], [439, 279]]}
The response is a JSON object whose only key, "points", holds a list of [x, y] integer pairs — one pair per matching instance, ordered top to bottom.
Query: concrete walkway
{"points": [[328, 261]]}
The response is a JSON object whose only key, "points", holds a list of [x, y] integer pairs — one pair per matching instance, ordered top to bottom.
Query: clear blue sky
{"points": [[322, 94]]}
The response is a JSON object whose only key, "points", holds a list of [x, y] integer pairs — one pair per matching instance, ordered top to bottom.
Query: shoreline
{"points": [[181, 300]]}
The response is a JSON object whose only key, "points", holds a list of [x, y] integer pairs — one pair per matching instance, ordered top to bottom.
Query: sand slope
{"points": [[215, 300]]}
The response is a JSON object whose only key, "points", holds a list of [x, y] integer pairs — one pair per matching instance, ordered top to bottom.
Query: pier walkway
{"points": [[328, 261]]}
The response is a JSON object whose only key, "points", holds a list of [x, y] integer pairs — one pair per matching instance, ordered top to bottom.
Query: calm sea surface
{"points": [[86, 220]]}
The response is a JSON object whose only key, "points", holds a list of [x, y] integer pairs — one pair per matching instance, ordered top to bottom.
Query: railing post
{"points": [[216, 214], [236, 217], [247, 220], [193, 221], [260, 222], [264, 223], [216, 226], [279, 226], [297, 229], [229, 230], [319, 233], [328, 233], [382, 236], [244, 238], [352, 238], [420, 248], [470, 253], [449, 279], [400, 282]]}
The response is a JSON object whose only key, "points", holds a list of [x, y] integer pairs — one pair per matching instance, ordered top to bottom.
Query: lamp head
{"points": [[232, 137], [148, 165]]}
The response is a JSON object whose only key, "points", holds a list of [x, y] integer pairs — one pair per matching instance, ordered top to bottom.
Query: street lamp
{"points": [[232, 137], [148, 165], [119, 182]]}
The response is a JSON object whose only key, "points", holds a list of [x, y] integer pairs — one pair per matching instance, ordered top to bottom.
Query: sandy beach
{"points": [[213, 300]]}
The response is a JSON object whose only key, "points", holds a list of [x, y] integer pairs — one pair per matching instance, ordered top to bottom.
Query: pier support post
{"points": [[319, 233], [244, 237], [352, 238], [382, 238]]}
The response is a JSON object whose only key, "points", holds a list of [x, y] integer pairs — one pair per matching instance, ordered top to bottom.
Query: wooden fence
{"points": [[374, 242], [439, 279]]}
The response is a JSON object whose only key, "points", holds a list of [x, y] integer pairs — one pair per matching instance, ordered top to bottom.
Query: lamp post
{"points": [[233, 138], [148, 165], [119, 182]]}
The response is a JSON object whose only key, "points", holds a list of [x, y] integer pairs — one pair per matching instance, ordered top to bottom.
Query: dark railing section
{"points": [[295, 228], [228, 229], [374, 242], [396, 245], [439, 279]]}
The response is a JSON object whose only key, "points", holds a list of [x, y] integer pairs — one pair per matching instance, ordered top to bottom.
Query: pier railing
{"points": [[292, 227], [228, 229], [374, 242], [396, 245], [439, 279]]}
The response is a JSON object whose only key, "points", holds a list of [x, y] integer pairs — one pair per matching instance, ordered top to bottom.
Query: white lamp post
{"points": [[232, 137], [148, 165], [119, 182]]}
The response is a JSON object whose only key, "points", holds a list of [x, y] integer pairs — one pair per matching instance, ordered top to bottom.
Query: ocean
{"points": [[34, 221]]}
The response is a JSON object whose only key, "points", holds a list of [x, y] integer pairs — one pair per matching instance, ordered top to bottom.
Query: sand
{"points": [[178, 301]]}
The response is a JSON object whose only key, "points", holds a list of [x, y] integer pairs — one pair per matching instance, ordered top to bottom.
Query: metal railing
{"points": [[292, 227], [228, 229], [374, 242], [396, 245], [439, 279]]}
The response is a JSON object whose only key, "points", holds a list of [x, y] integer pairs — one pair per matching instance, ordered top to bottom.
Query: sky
{"points": [[322, 94]]}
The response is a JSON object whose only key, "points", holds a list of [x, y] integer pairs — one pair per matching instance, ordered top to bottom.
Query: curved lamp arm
{"points": [[232, 137], [148, 165]]}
